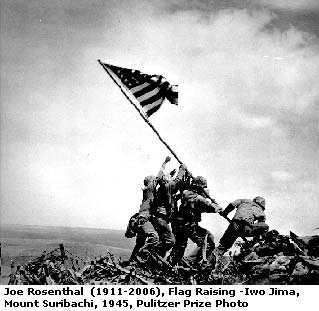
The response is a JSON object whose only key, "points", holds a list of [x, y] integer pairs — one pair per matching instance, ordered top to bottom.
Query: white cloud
{"points": [[290, 4], [233, 100], [253, 122], [282, 176]]}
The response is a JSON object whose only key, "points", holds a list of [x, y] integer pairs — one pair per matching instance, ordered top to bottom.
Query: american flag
{"points": [[149, 90]]}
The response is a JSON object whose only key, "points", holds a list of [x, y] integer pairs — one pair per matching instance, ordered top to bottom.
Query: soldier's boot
{"points": [[176, 254], [142, 257], [210, 263]]}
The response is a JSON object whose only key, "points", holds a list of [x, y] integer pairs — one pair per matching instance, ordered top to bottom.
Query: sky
{"points": [[74, 152]]}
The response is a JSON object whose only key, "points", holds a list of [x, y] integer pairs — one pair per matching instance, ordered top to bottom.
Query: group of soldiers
{"points": [[170, 214]]}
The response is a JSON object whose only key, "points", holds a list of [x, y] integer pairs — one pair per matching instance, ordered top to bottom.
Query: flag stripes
{"points": [[149, 90]]}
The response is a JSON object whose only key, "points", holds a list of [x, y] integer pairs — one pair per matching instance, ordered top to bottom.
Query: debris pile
{"points": [[270, 259], [275, 259], [58, 266]]}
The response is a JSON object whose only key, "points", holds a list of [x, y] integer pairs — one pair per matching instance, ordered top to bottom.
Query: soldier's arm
{"points": [[160, 174], [179, 177], [207, 205], [230, 207]]}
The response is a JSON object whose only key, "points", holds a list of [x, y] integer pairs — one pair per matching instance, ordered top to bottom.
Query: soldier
{"points": [[194, 202], [164, 207], [248, 221], [146, 236]]}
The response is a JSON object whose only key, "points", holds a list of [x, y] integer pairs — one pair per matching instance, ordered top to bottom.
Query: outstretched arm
{"points": [[161, 171], [180, 176], [208, 206], [230, 207], [227, 210]]}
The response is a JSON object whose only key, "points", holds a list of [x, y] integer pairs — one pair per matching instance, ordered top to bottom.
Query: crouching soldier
{"points": [[194, 202], [248, 221], [141, 225], [134, 229]]}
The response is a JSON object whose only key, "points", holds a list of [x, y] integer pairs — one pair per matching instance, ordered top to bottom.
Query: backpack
{"points": [[188, 210], [132, 225]]}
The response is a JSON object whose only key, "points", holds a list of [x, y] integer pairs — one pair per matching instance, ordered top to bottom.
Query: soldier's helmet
{"points": [[148, 180], [199, 181], [260, 201]]}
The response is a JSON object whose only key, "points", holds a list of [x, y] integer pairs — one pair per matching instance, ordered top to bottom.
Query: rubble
{"points": [[270, 259], [278, 259], [58, 266]]}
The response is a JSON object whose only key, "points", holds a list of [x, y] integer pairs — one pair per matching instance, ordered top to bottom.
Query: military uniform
{"points": [[163, 207], [189, 215], [248, 221], [146, 236]]}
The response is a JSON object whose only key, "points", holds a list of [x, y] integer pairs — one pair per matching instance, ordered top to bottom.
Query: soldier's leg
{"points": [[259, 228], [166, 237], [151, 238], [228, 238], [205, 240], [140, 241], [225, 243], [210, 244], [179, 247]]}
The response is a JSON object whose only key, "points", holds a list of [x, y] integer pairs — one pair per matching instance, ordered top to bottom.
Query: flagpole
{"points": [[141, 114]]}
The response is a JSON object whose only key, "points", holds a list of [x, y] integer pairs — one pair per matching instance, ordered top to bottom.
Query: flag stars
{"points": [[150, 89]]}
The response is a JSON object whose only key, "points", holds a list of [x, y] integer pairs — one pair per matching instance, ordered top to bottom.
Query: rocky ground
{"points": [[270, 259]]}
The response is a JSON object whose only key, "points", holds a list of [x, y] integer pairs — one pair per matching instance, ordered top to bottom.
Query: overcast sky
{"points": [[74, 152]]}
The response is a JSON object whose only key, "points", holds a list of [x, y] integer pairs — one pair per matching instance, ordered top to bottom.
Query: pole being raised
{"points": [[145, 118]]}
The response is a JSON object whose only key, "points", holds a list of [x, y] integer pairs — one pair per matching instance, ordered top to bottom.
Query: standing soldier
{"points": [[194, 202], [164, 206], [248, 221]]}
